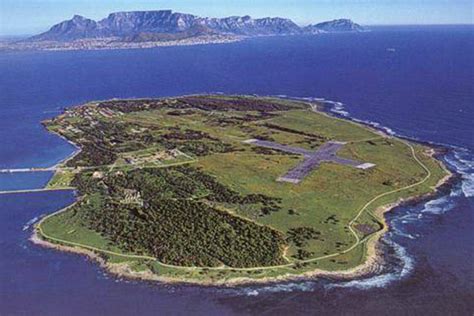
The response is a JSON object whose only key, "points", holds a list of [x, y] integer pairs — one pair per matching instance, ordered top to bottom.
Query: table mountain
{"points": [[169, 25]]}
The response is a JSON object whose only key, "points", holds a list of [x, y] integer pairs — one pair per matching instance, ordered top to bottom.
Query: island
{"points": [[224, 190]]}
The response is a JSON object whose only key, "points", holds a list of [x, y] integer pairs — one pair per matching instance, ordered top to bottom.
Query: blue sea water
{"points": [[414, 81], [24, 180]]}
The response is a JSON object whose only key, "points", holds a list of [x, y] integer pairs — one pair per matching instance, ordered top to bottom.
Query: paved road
{"points": [[326, 153]]}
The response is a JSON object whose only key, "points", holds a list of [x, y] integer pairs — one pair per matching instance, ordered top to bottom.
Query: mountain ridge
{"points": [[142, 25]]}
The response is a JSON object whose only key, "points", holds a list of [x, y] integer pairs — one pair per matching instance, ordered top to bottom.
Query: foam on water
{"points": [[339, 109], [377, 125], [462, 161], [468, 185], [456, 192], [438, 206], [30, 222], [399, 232], [399, 270], [365, 284], [304, 286]]}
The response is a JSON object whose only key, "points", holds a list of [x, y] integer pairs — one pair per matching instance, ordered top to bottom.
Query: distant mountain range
{"points": [[163, 25]]}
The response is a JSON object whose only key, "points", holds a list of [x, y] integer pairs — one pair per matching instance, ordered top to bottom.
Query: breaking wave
{"points": [[337, 107], [463, 162], [438, 206], [30, 222], [402, 266], [279, 288]]}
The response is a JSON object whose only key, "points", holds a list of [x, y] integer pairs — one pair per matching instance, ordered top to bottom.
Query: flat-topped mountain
{"points": [[169, 25]]}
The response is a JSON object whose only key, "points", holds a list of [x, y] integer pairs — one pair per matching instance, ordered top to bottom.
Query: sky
{"points": [[24, 17]]}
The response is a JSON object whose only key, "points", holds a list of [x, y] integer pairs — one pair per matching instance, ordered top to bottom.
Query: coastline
{"points": [[113, 44], [71, 155], [373, 258], [123, 270]]}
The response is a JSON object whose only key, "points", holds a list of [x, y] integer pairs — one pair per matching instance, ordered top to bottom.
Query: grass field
{"points": [[61, 179], [326, 214]]}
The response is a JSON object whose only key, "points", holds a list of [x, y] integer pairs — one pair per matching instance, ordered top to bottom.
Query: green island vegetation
{"points": [[169, 186]]}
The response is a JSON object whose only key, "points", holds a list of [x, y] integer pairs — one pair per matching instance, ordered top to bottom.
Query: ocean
{"points": [[416, 82]]}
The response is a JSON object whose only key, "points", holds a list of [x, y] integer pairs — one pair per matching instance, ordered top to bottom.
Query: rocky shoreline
{"points": [[374, 255]]}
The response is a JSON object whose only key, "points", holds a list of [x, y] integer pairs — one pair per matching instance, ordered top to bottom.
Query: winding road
{"points": [[356, 243]]}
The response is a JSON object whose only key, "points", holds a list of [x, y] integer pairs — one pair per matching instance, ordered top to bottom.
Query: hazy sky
{"points": [[32, 16]]}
